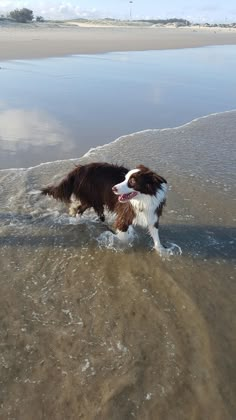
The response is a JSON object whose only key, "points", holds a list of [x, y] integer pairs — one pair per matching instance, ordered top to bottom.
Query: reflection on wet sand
{"points": [[60, 107], [27, 134], [99, 333]]}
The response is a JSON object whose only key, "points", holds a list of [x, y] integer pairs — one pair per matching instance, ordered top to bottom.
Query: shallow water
{"points": [[58, 108], [95, 331]]}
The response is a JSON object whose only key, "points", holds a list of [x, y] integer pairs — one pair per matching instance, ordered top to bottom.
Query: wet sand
{"points": [[52, 40], [129, 92], [90, 331], [94, 331]]}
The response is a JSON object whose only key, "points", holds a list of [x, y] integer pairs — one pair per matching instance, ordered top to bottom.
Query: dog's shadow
{"points": [[199, 241]]}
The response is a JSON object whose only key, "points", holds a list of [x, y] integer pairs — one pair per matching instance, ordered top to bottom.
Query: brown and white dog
{"points": [[136, 196], [141, 197]]}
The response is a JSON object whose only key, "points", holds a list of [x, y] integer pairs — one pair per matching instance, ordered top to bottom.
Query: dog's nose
{"points": [[114, 189]]}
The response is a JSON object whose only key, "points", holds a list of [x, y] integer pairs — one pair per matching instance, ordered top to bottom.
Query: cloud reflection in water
{"points": [[30, 133]]}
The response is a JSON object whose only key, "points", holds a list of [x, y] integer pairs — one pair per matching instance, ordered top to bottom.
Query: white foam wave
{"points": [[92, 151], [40, 165], [111, 241]]}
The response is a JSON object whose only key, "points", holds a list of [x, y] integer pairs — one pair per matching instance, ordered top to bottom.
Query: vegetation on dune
{"points": [[22, 15], [26, 15], [39, 19], [182, 22]]}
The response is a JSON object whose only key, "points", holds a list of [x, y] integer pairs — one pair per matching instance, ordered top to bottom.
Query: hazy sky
{"points": [[193, 10]]}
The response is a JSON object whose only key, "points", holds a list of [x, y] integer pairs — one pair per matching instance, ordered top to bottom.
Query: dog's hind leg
{"points": [[75, 203], [73, 207], [77, 208], [81, 209], [100, 213], [102, 218]]}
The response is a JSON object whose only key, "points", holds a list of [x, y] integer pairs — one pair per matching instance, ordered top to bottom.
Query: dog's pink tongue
{"points": [[126, 197]]}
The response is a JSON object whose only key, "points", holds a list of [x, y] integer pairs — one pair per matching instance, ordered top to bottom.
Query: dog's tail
{"points": [[63, 190]]}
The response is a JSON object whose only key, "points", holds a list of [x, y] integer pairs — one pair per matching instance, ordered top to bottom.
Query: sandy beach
{"points": [[52, 40], [92, 328], [91, 331]]}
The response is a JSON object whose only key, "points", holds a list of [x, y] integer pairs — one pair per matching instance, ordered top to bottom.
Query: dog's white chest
{"points": [[146, 206], [145, 211]]}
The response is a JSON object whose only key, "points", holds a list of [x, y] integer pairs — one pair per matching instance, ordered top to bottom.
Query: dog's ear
{"points": [[143, 168], [153, 176], [159, 178]]}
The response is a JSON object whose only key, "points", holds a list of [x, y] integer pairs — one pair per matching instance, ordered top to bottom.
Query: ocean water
{"points": [[59, 108], [93, 330]]}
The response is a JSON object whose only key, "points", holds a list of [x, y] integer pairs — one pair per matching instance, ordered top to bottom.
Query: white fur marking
{"points": [[130, 173], [123, 188], [74, 204], [145, 206], [125, 236], [155, 236]]}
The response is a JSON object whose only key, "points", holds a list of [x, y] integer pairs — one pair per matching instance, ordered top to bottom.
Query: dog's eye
{"points": [[131, 182]]}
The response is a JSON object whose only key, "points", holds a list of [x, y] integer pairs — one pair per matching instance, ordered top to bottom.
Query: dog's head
{"points": [[138, 181]]}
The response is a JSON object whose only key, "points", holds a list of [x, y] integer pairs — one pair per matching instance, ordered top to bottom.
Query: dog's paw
{"points": [[72, 212], [107, 239], [175, 249], [172, 250]]}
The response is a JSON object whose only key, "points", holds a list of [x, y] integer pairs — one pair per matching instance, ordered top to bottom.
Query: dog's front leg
{"points": [[124, 235], [155, 236], [172, 250]]}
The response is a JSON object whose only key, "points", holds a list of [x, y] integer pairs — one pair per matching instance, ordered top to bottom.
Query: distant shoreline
{"points": [[53, 39]]}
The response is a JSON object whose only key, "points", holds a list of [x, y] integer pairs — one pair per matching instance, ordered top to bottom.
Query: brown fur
{"points": [[146, 182], [91, 184], [94, 186], [125, 216]]}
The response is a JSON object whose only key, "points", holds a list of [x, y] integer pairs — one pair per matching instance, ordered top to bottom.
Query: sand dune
{"points": [[20, 41]]}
